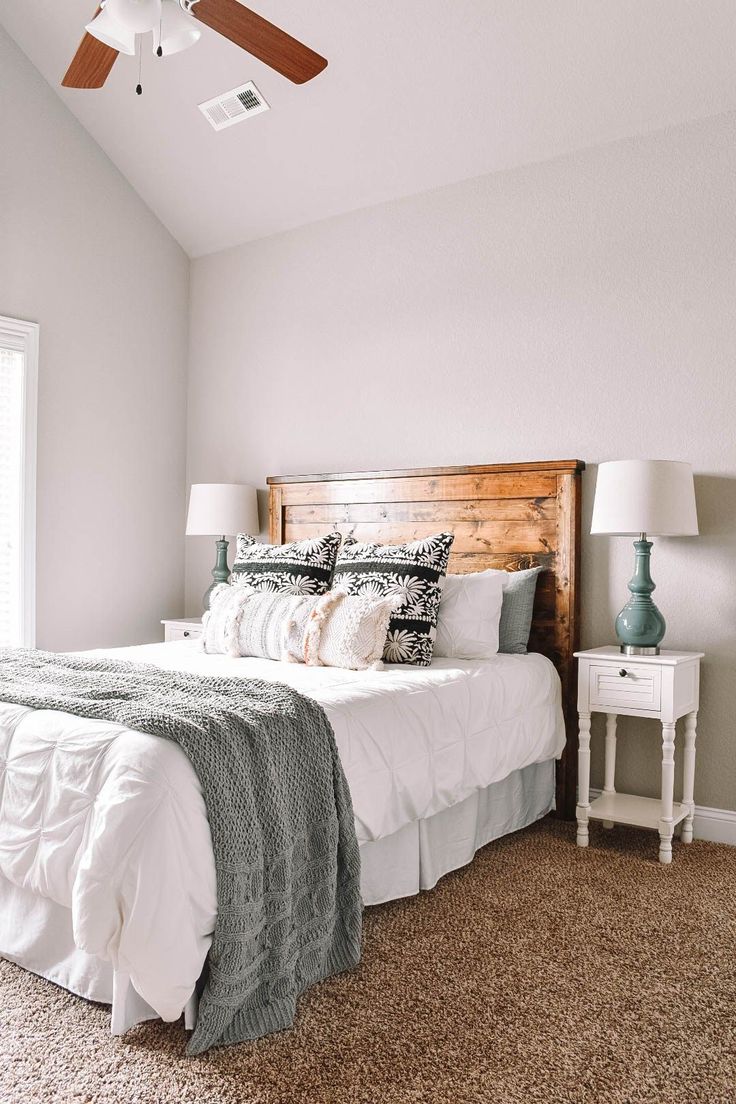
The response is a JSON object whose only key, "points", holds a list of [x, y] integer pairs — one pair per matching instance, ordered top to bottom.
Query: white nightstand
{"points": [[182, 628], [664, 687]]}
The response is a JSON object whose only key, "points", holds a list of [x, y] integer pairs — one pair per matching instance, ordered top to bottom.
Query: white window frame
{"points": [[24, 337]]}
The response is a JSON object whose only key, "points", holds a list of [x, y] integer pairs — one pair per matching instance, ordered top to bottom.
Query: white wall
{"points": [[82, 255], [578, 308]]}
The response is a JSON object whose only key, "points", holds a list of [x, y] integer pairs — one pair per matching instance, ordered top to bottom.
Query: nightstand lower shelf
{"points": [[643, 812]]}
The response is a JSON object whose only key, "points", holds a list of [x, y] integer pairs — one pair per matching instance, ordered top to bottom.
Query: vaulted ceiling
{"points": [[418, 93]]}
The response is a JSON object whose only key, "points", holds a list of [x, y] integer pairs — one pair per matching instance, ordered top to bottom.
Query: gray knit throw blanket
{"points": [[288, 867]]}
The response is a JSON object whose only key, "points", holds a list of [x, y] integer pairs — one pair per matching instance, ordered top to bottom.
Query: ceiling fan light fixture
{"points": [[138, 16], [105, 29], [176, 31]]}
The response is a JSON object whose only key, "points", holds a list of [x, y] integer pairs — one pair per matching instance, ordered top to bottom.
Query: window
{"points": [[18, 374]]}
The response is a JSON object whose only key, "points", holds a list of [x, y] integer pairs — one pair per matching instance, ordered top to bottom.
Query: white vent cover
{"points": [[234, 106]]}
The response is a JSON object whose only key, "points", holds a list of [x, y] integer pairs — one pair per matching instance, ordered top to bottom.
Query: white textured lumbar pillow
{"points": [[469, 615], [243, 622], [332, 630]]}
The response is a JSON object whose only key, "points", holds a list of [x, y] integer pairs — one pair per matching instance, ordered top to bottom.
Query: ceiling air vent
{"points": [[234, 106]]}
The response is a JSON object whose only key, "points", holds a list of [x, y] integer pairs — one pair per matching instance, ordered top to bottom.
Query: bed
{"points": [[107, 882]]}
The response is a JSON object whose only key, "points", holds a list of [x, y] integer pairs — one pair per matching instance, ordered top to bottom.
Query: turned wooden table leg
{"points": [[688, 777], [583, 778], [609, 783], [668, 790]]}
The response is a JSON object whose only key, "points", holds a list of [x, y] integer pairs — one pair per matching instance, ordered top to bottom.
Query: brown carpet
{"points": [[540, 973]]}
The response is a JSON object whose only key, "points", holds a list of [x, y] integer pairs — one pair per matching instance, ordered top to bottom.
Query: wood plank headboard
{"points": [[508, 516]]}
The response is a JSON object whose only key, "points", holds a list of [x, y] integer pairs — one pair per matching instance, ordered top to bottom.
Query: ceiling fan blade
{"points": [[259, 37], [91, 64]]}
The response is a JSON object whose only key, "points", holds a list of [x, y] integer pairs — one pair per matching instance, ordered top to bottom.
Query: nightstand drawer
{"points": [[182, 628], [181, 632], [639, 687]]}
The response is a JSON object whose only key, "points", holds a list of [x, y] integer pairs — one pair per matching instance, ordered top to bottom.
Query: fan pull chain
{"points": [[160, 50], [139, 86]]}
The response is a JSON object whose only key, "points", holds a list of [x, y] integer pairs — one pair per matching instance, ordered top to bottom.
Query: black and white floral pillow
{"points": [[302, 567], [415, 571]]}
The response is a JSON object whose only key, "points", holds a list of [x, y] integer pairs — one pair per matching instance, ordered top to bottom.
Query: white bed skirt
{"points": [[417, 856], [37, 933]]}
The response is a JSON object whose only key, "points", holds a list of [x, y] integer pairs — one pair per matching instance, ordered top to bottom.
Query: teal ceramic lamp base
{"points": [[220, 572], [640, 627]]}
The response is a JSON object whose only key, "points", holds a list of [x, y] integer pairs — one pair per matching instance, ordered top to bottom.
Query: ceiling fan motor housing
{"points": [[137, 16]]}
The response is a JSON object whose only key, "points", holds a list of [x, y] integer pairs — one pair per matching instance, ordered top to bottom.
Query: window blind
{"points": [[12, 417]]}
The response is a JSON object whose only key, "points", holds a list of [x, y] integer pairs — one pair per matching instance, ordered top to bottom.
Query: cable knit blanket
{"points": [[283, 835]]}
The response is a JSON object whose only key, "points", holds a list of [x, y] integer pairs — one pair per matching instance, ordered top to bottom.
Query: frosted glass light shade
{"points": [[138, 16], [104, 28], [176, 30], [656, 497], [222, 509]]}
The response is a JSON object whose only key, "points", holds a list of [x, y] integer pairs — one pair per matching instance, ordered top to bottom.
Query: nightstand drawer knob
{"points": [[186, 633], [623, 672]]}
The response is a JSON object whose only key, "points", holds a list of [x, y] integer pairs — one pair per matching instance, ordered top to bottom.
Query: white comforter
{"points": [[111, 824]]}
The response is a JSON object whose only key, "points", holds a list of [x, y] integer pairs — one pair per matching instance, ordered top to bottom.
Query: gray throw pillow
{"points": [[516, 610]]}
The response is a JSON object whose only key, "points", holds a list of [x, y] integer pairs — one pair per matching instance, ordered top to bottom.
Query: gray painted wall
{"points": [[82, 255], [578, 308]]}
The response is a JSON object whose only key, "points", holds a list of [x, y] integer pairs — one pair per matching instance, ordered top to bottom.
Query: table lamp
{"points": [[644, 497], [221, 508]]}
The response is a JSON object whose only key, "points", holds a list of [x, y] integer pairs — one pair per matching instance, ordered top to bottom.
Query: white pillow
{"points": [[469, 615], [332, 630]]}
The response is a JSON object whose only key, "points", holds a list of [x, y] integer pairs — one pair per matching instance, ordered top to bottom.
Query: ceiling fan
{"points": [[116, 23]]}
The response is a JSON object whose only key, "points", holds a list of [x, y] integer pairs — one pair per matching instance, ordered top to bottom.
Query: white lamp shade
{"points": [[138, 16], [104, 28], [176, 30], [656, 497], [217, 509]]}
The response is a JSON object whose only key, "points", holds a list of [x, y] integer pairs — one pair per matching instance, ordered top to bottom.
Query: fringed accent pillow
{"points": [[302, 567], [415, 573], [243, 622], [331, 630], [353, 633]]}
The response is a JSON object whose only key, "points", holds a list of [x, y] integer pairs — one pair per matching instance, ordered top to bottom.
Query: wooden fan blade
{"points": [[259, 37], [91, 64]]}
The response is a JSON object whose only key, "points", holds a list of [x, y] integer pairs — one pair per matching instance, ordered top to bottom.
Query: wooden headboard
{"points": [[510, 516]]}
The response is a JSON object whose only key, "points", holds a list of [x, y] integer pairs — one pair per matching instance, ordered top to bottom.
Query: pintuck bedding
{"points": [[104, 828], [287, 862]]}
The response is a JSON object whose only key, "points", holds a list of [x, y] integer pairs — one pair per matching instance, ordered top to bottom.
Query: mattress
{"points": [[111, 824]]}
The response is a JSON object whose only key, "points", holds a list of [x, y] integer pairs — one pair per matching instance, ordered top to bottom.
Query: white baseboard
{"points": [[715, 825]]}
